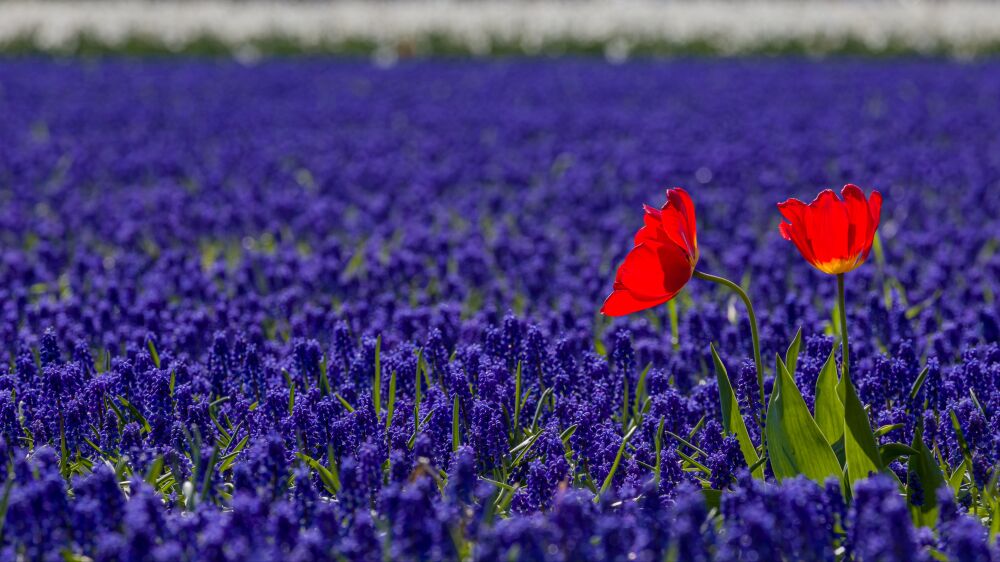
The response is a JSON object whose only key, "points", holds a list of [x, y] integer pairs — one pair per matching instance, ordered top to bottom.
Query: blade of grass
{"points": [[377, 378], [915, 389], [517, 399], [391, 406], [455, 440], [614, 465]]}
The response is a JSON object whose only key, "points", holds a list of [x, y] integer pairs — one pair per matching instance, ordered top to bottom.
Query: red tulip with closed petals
{"points": [[834, 235], [662, 261]]}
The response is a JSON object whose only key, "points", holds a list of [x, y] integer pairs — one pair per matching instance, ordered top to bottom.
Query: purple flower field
{"points": [[317, 310]]}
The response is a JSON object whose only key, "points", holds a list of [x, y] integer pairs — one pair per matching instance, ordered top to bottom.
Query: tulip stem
{"points": [[841, 302], [753, 327]]}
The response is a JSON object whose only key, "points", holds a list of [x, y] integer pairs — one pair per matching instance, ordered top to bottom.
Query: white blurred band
{"points": [[728, 26]]}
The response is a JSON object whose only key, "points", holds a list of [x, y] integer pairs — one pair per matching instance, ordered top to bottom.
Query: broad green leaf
{"points": [[792, 354], [829, 408], [732, 420], [887, 428], [795, 444], [860, 447], [892, 451], [928, 473], [955, 481], [713, 498], [995, 523]]}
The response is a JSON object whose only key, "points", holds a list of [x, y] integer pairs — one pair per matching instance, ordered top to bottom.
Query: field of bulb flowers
{"points": [[320, 310]]}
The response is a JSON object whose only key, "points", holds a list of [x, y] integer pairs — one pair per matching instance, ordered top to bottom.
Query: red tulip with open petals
{"points": [[834, 235], [662, 261]]}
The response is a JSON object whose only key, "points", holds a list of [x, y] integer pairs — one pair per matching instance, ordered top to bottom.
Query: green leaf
{"points": [[152, 353], [792, 354], [377, 378], [324, 381], [640, 389], [915, 389], [418, 397], [517, 398], [343, 401], [625, 404], [391, 407], [538, 407], [829, 408], [136, 414], [732, 420], [887, 428], [569, 431], [455, 438], [687, 443], [962, 443], [523, 444], [658, 444], [795, 444], [860, 447], [524, 448], [892, 451], [229, 458], [693, 462], [759, 464], [614, 466], [928, 473], [329, 478], [955, 481], [713, 498], [5, 501], [995, 521]]}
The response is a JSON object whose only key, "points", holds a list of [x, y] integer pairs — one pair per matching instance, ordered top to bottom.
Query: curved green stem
{"points": [[841, 301], [753, 327]]}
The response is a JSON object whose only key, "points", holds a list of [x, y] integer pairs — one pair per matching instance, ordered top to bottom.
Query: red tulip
{"points": [[833, 235], [662, 261]]}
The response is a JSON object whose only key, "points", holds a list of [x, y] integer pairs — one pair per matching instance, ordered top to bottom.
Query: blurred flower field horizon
{"points": [[318, 309]]}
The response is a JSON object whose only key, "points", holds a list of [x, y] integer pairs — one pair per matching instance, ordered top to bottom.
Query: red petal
{"points": [[686, 206], [875, 208], [875, 212], [677, 220], [826, 228], [785, 229], [651, 230], [795, 230], [860, 231], [641, 272], [651, 275], [622, 302]]}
